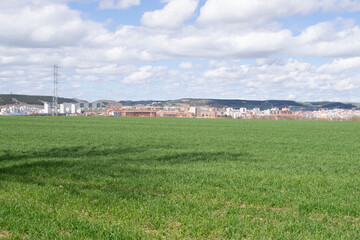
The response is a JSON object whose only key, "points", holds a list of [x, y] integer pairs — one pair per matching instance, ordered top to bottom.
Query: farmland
{"points": [[158, 178]]}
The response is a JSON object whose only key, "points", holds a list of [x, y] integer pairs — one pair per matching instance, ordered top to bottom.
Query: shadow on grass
{"points": [[66, 152], [164, 154], [208, 156], [87, 163], [100, 168], [115, 173]]}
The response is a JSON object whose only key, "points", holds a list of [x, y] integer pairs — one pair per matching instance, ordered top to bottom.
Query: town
{"points": [[180, 111]]}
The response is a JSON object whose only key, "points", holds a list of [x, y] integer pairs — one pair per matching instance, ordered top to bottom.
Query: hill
{"points": [[9, 99], [108, 103], [234, 103], [332, 105]]}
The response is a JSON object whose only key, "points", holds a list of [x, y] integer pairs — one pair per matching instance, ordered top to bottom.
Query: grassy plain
{"points": [[143, 178]]}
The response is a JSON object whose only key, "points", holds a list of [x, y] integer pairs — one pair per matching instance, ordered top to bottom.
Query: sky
{"points": [[302, 50]]}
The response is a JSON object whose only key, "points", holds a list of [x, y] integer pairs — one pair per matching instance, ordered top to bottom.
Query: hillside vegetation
{"points": [[8, 99], [223, 103], [332, 105], [160, 178]]}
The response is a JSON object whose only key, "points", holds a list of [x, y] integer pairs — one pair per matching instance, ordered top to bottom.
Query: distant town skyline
{"points": [[305, 50], [185, 109]]}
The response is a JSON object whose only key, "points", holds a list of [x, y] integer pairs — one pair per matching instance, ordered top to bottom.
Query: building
{"points": [[46, 108], [65, 108], [73, 108], [131, 113], [207, 114]]}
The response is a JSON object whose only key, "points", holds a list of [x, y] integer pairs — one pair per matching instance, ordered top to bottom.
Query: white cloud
{"points": [[33, 3], [118, 4], [339, 5], [251, 11], [260, 11], [172, 15], [50, 25], [57, 26], [320, 32], [39, 33], [338, 38], [205, 43], [186, 65], [189, 66], [339, 66], [106, 69], [144, 75], [288, 75], [289, 79]]}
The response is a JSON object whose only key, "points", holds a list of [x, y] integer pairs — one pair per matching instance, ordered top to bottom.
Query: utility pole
{"points": [[56, 82]]}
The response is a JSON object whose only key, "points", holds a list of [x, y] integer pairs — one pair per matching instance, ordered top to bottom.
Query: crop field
{"points": [[158, 178]]}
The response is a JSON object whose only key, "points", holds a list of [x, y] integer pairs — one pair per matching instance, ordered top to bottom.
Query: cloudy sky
{"points": [[305, 50]]}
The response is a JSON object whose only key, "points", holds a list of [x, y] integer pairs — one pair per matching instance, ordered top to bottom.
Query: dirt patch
{"points": [[243, 206], [84, 212], [318, 217], [356, 219], [174, 225], [151, 231], [63, 233], [4, 234]]}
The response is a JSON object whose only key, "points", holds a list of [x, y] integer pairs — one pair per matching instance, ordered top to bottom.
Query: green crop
{"points": [[160, 178]]}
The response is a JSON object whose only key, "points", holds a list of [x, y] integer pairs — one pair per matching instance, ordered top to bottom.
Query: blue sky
{"points": [[131, 16], [305, 50]]}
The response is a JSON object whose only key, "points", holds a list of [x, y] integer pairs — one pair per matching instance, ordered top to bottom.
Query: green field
{"points": [[157, 178]]}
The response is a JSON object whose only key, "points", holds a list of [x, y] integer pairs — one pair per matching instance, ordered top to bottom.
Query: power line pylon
{"points": [[56, 83]]}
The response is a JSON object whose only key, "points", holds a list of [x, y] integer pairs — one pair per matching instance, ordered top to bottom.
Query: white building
{"points": [[46, 108], [65, 108], [73, 108], [19, 110], [192, 110], [243, 110], [228, 111], [236, 114]]}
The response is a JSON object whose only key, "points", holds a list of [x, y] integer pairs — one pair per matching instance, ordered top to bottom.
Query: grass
{"points": [[146, 178]]}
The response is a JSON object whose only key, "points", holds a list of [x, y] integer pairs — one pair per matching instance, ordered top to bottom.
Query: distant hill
{"points": [[9, 99], [143, 102], [218, 103], [109, 104], [250, 104], [332, 105]]}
